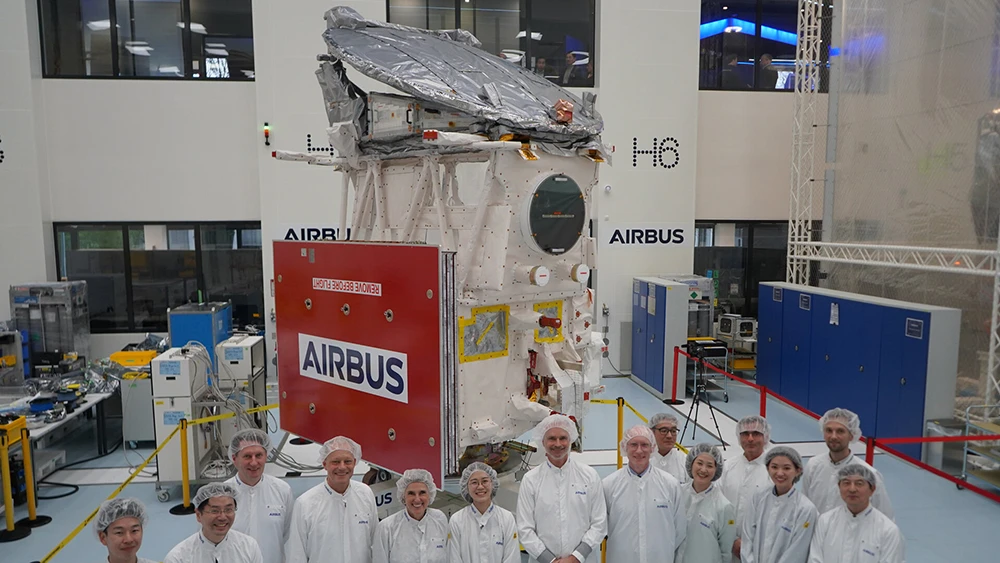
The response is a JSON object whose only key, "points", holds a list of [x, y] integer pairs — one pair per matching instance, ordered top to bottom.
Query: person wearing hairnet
{"points": [[840, 428], [666, 455], [743, 476], [265, 501], [215, 509], [561, 512], [646, 518], [711, 518], [334, 521], [780, 521], [118, 525], [483, 532], [856, 532], [418, 534]]}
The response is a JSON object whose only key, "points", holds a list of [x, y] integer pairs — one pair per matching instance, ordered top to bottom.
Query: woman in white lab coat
{"points": [[711, 518], [780, 521], [483, 532], [418, 533]]}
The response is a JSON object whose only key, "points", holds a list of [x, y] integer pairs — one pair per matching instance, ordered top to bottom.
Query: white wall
{"points": [[144, 150], [745, 155], [22, 238], [103, 345]]}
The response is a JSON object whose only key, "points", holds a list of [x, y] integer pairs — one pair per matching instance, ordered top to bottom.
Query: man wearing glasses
{"points": [[667, 457], [215, 508]]}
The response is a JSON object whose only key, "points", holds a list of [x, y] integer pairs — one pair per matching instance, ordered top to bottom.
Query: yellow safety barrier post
{"points": [[185, 507], [33, 520], [12, 532]]}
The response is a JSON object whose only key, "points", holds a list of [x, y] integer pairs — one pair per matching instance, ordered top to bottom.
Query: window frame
{"points": [[186, 48], [124, 227]]}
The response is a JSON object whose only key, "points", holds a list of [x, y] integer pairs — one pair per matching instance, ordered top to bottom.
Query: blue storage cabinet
{"points": [[639, 293], [207, 323], [660, 323], [769, 326], [796, 345], [892, 362]]}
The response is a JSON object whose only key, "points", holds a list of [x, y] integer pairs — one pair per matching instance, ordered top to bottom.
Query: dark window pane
{"points": [[408, 12], [441, 14], [497, 24], [562, 33], [76, 37], [150, 38], [222, 39], [728, 44], [775, 68], [96, 255], [232, 261], [164, 272]]}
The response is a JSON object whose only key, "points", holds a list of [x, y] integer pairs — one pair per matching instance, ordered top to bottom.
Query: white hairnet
{"points": [[662, 417], [845, 417], [556, 421], [754, 423], [637, 431], [246, 438], [340, 443], [699, 449], [784, 451], [856, 470], [467, 474], [411, 476], [212, 490], [115, 509]]}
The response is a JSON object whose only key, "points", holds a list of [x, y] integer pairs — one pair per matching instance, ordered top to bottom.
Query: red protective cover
{"points": [[371, 279]]}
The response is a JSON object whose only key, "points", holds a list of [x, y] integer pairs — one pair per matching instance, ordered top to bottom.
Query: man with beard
{"points": [[840, 427]]}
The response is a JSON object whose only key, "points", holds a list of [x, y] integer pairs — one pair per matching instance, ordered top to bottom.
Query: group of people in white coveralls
{"points": [[663, 506]]}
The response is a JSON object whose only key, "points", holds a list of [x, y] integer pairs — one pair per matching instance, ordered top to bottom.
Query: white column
{"points": [[647, 73], [25, 226]]}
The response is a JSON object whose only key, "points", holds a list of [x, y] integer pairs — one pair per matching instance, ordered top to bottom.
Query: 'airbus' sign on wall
{"points": [[645, 234]]}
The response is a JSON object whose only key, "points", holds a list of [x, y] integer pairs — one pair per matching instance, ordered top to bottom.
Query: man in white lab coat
{"points": [[840, 428], [667, 457], [743, 476], [265, 501], [561, 512], [335, 521], [647, 521], [856, 532], [216, 541]]}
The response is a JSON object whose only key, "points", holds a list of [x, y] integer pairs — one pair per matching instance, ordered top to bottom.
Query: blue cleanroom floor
{"points": [[941, 523]]}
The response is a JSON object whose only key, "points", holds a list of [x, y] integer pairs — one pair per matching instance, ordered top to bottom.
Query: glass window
{"points": [[553, 37], [76, 38], [148, 38], [222, 39], [751, 44], [96, 255], [739, 256], [233, 268], [162, 276]]}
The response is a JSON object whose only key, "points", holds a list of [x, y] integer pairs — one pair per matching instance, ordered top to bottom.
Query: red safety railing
{"points": [[871, 443]]}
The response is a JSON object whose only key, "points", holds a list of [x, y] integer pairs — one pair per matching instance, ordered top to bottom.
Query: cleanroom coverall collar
{"points": [[633, 472], [265, 514], [868, 537], [234, 548]]}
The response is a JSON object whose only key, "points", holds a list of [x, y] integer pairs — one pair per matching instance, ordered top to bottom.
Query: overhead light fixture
{"points": [[725, 7], [99, 25], [195, 27], [733, 29], [536, 36], [138, 48], [217, 49]]}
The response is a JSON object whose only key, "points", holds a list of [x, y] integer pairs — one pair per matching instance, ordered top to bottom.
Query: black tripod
{"points": [[700, 388]]}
